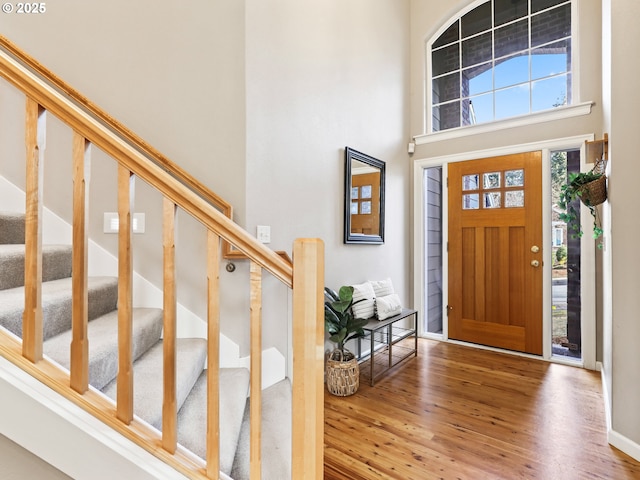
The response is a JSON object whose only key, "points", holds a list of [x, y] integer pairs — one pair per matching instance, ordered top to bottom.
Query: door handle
{"points": [[535, 249], [535, 263]]}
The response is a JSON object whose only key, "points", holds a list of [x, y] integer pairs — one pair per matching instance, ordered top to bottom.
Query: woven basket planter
{"points": [[594, 193], [342, 373]]}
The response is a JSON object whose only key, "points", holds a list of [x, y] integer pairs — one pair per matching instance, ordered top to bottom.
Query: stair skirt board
{"points": [[65, 436]]}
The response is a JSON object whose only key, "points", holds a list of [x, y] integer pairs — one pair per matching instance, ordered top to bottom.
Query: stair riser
{"points": [[11, 228], [56, 264], [57, 304], [103, 343], [191, 355]]}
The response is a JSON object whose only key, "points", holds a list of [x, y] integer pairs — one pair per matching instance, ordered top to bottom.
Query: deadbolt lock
{"points": [[535, 249], [535, 263]]}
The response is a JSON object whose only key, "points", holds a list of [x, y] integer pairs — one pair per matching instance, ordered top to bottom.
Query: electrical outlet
{"points": [[263, 233]]}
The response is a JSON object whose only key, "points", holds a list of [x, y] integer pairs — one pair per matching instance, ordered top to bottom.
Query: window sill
{"points": [[524, 120]]}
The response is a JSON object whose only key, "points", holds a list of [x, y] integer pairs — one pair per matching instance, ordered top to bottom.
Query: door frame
{"points": [[587, 245]]}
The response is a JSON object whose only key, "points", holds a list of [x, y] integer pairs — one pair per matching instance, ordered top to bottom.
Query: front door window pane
{"points": [[514, 178], [491, 180], [470, 182], [514, 198], [492, 200], [471, 201]]}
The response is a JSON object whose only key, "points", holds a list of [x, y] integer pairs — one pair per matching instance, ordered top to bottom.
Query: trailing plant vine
{"points": [[569, 194]]}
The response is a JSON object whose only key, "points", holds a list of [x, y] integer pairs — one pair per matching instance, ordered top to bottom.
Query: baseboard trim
{"points": [[614, 438], [623, 444]]}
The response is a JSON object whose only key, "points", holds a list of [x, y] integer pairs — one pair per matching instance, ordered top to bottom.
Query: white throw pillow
{"points": [[382, 288], [388, 306], [363, 309]]}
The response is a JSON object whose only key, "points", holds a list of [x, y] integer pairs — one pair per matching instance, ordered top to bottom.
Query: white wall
{"points": [[322, 75], [623, 324]]}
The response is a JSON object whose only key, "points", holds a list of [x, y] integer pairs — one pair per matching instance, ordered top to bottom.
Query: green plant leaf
{"points": [[346, 293]]}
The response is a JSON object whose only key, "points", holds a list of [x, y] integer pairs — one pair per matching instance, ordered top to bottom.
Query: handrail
{"points": [[134, 154]]}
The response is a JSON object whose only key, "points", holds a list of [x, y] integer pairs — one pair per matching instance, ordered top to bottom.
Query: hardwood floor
{"points": [[457, 412]]}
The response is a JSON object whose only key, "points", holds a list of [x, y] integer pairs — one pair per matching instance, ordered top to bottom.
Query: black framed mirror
{"points": [[363, 198]]}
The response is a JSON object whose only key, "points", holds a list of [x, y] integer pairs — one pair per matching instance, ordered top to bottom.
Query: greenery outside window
{"points": [[502, 59]]}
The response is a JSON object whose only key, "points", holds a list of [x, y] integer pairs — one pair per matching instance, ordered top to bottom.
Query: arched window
{"points": [[503, 58]]}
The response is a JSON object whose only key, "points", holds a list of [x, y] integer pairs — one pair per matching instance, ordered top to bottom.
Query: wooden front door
{"points": [[495, 252]]}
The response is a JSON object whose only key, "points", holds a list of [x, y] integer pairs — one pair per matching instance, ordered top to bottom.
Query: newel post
{"points": [[308, 359]]}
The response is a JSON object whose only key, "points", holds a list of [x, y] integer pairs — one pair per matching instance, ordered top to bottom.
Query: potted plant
{"points": [[590, 188], [342, 370]]}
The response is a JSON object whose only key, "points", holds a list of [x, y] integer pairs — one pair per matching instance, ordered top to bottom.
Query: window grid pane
{"points": [[484, 63]]}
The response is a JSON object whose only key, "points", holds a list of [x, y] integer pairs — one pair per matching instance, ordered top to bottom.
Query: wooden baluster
{"points": [[80, 306], [32, 328], [308, 351], [213, 355], [124, 400], [169, 406], [255, 408]]}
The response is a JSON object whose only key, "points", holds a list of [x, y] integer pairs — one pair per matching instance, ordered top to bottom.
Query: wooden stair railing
{"points": [[305, 275]]}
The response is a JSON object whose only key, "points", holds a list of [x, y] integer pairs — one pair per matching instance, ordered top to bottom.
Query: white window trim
{"points": [[575, 109], [559, 113]]}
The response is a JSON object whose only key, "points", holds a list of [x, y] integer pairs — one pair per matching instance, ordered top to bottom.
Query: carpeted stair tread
{"points": [[11, 227], [56, 264], [56, 304], [103, 343], [148, 378], [192, 418], [276, 435]]}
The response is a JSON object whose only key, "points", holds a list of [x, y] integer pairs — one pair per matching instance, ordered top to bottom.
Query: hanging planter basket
{"points": [[594, 193], [342, 373]]}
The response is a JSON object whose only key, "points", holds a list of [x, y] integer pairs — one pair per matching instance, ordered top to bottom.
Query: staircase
{"points": [[147, 353], [160, 382]]}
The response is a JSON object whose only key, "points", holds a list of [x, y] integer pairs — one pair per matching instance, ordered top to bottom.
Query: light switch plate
{"points": [[111, 222], [263, 233]]}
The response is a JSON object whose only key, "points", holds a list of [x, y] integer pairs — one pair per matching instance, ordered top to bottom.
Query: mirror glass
{"points": [[364, 198]]}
